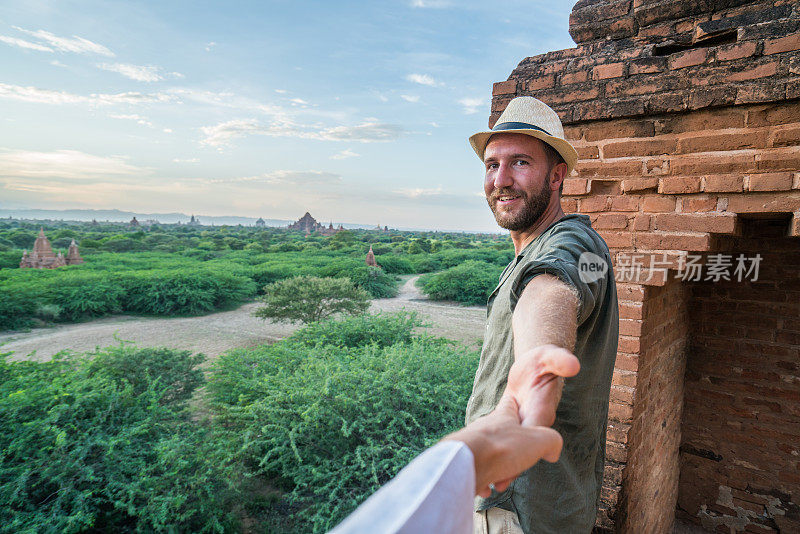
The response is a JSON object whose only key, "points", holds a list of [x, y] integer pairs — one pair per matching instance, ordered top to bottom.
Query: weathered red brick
{"points": [[782, 44], [736, 51], [689, 58], [647, 65], [609, 70], [761, 71], [574, 77], [540, 82], [509, 87], [772, 115], [711, 119], [619, 129], [787, 136], [723, 141], [639, 147], [588, 152], [714, 164], [773, 181], [723, 183], [639, 184], [679, 184], [575, 186], [764, 202], [625, 203], [658, 203], [591, 204], [699, 204], [610, 220], [641, 222], [721, 224], [617, 239], [672, 241]]}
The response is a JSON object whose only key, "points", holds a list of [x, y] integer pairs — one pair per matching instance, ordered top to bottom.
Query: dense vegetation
{"points": [[189, 270], [470, 282], [300, 431], [104, 442]]}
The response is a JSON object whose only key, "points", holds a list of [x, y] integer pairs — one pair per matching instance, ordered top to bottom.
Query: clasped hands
{"points": [[516, 434]]}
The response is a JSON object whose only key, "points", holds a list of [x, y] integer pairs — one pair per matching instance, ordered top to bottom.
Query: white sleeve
{"points": [[434, 493]]}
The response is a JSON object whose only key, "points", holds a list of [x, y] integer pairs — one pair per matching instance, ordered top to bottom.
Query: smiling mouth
{"points": [[507, 198]]}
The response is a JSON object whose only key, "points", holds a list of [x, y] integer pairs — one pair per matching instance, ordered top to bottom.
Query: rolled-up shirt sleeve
{"points": [[567, 252], [434, 493]]}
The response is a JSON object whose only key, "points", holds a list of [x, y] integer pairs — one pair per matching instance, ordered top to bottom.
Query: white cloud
{"points": [[22, 43], [75, 44], [210, 45], [57, 63], [140, 73], [423, 79], [280, 91], [47, 96], [410, 98], [226, 100], [299, 101], [472, 105], [138, 118], [167, 130], [224, 132], [366, 132], [344, 154], [187, 160], [65, 164]]}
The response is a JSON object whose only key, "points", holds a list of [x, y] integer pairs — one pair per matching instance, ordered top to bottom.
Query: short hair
{"points": [[553, 159]]}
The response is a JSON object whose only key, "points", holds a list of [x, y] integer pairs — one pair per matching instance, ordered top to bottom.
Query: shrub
{"points": [[394, 264], [471, 282], [379, 284], [308, 298], [381, 329], [331, 425], [104, 442]]}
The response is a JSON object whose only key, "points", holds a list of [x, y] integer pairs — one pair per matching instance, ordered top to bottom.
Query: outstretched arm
{"points": [[545, 316]]}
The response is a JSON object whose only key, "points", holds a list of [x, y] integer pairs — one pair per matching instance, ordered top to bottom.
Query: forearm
{"points": [[546, 314], [545, 319]]}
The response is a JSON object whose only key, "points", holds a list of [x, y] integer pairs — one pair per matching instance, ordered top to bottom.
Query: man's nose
{"points": [[502, 177]]}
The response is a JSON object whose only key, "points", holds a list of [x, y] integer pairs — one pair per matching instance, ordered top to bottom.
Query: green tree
{"points": [[308, 299]]}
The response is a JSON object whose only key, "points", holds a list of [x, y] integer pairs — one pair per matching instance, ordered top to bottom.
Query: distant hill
{"points": [[125, 216]]}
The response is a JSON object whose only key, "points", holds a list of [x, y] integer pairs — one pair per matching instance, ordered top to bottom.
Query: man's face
{"points": [[517, 183]]}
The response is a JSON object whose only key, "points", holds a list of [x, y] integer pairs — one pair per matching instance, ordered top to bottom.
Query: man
{"points": [[558, 290]]}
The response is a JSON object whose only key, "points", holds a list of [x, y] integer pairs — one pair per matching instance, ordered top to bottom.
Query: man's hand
{"points": [[537, 377], [508, 441]]}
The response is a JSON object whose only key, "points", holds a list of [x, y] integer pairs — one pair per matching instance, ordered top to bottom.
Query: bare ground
{"points": [[215, 333]]}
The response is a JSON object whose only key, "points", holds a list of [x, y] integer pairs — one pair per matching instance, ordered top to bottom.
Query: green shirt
{"points": [[561, 497]]}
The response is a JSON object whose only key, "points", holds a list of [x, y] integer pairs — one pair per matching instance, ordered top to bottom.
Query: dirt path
{"points": [[218, 332]]}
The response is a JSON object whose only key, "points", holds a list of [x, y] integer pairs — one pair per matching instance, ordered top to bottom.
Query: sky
{"points": [[355, 111]]}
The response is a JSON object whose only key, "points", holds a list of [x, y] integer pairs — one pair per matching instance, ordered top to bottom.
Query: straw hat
{"points": [[529, 116]]}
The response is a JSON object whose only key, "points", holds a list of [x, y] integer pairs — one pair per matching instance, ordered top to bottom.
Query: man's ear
{"points": [[557, 175]]}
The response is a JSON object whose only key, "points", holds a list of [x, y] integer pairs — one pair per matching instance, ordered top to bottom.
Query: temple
{"points": [[309, 224], [43, 256], [371, 258]]}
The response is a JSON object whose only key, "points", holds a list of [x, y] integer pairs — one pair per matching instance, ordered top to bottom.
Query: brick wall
{"points": [[686, 119], [740, 451], [650, 482]]}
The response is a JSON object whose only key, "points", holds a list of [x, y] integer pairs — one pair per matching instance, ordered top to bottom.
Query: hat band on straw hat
{"points": [[518, 126]]}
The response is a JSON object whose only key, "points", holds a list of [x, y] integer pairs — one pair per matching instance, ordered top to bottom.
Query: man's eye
{"points": [[520, 162], [490, 166]]}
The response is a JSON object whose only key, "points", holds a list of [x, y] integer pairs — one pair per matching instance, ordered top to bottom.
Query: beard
{"points": [[534, 205]]}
